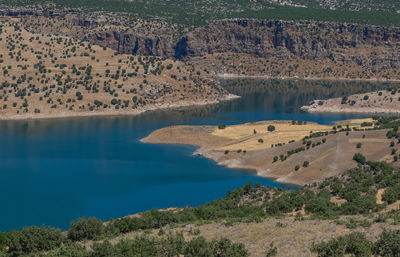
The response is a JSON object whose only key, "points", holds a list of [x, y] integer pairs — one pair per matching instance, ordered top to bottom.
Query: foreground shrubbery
{"points": [[250, 203], [356, 244], [149, 246]]}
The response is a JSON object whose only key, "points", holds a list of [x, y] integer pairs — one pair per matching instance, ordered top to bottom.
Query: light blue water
{"points": [[54, 171]]}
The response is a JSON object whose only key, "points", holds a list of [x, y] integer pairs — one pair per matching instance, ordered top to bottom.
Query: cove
{"points": [[54, 171]]}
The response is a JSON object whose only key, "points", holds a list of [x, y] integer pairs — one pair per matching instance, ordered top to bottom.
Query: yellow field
{"points": [[284, 132]]}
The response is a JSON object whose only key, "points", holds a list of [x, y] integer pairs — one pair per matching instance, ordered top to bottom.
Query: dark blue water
{"points": [[54, 171]]}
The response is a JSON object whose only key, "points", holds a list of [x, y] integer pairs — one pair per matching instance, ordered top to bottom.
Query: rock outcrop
{"points": [[286, 39], [342, 43], [374, 49]]}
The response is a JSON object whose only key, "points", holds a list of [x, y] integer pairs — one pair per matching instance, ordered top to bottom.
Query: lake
{"points": [[54, 171]]}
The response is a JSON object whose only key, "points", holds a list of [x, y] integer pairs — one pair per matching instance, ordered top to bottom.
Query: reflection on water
{"points": [[56, 170]]}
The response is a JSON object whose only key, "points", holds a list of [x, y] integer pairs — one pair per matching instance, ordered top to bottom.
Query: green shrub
{"points": [[221, 126], [271, 128], [359, 158], [391, 194], [86, 229], [33, 239], [354, 243], [388, 244]]}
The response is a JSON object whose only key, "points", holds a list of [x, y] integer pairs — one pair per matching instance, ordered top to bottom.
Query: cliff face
{"points": [[305, 40], [131, 43], [344, 43], [372, 49]]}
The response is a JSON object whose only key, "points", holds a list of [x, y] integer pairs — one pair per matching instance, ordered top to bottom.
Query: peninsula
{"points": [[293, 152]]}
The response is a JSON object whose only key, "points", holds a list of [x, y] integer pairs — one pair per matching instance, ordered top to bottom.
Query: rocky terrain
{"points": [[273, 48], [166, 64], [46, 76], [383, 101], [292, 152]]}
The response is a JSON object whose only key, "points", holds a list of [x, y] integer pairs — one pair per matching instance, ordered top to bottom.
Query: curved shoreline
{"points": [[4, 117], [237, 147]]}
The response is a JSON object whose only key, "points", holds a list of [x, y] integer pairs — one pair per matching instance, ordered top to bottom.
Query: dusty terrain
{"points": [[55, 76], [384, 101], [276, 154], [291, 237]]}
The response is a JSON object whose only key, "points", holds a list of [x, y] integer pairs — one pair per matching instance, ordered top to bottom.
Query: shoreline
{"points": [[235, 76], [376, 102], [185, 103], [349, 111], [111, 113], [237, 147], [229, 165]]}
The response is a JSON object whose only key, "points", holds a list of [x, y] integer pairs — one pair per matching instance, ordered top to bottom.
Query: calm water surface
{"points": [[54, 171]]}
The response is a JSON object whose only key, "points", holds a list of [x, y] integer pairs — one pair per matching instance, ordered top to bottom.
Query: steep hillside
{"points": [[269, 48], [53, 76]]}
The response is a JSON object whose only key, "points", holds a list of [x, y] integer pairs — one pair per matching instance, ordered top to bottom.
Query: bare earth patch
{"points": [[373, 102], [251, 146]]}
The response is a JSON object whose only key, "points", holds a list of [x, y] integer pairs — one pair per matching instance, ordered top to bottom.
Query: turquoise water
{"points": [[54, 171]]}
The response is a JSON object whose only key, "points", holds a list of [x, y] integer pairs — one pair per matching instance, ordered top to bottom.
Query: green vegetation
{"points": [[198, 13], [221, 126], [271, 128], [359, 157], [358, 187], [356, 244], [150, 246]]}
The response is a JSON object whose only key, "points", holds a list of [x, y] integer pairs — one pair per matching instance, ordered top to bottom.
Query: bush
{"points": [[114, 101], [366, 124], [221, 126], [271, 128], [358, 145], [359, 158], [305, 164], [391, 194], [125, 225], [86, 229], [33, 239], [354, 243], [388, 244], [150, 246]]}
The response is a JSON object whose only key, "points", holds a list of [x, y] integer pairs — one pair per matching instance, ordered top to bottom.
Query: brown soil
{"points": [[43, 75], [374, 102], [238, 147], [291, 237]]}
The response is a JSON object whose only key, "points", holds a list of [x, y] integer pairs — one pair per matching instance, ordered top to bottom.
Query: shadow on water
{"points": [[57, 170]]}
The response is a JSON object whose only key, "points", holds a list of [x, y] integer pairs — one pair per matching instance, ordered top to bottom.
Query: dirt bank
{"points": [[282, 154]]}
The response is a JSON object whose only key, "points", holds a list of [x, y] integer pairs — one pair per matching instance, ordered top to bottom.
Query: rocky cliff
{"points": [[263, 38], [134, 43], [343, 43], [373, 49]]}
